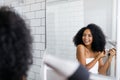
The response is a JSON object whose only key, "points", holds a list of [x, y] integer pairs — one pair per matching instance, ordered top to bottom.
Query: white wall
{"points": [[99, 12], [64, 19]]}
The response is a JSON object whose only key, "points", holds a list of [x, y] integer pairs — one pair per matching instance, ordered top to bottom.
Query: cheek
{"points": [[83, 38], [91, 39]]}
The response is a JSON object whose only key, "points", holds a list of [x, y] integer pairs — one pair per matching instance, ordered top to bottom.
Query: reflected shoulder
{"points": [[80, 46]]}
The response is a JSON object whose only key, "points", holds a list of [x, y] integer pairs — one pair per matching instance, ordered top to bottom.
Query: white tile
{"points": [[39, 0], [1, 1], [29, 1], [21, 2], [14, 3], [43, 5], [36, 6], [26, 8], [42, 13], [39, 14], [30, 15], [35, 22], [43, 22], [39, 30], [42, 30], [33, 31], [37, 38], [43, 38], [33, 45], [39, 46], [42, 46], [37, 53], [42, 53], [34, 61], [38, 61], [35, 68], [31, 75], [38, 77], [30, 79]]}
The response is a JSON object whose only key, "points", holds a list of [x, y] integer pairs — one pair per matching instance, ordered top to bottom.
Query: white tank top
{"points": [[94, 69]]}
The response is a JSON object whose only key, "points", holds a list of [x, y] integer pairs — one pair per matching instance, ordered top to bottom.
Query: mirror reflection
{"points": [[65, 18]]}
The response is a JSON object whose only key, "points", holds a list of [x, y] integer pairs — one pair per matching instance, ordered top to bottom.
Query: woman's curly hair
{"points": [[99, 40], [15, 45]]}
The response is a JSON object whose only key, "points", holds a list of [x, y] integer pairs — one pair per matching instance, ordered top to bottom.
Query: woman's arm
{"points": [[82, 57], [104, 67]]}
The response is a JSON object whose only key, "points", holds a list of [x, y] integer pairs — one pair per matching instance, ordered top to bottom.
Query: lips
{"points": [[86, 41]]}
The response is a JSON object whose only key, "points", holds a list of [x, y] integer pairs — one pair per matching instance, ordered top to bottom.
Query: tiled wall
{"points": [[33, 11], [64, 19]]}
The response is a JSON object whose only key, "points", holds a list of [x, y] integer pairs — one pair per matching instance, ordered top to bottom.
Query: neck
{"points": [[88, 47]]}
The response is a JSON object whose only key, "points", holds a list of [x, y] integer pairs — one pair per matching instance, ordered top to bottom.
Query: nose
{"points": [[86, 37]]}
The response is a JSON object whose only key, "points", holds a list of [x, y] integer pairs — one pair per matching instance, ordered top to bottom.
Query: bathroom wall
{"points": [[33, 11], [101, 13], [64, 19]]}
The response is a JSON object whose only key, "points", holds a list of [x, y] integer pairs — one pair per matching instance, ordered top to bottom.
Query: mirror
{"points": [[65, 17]]}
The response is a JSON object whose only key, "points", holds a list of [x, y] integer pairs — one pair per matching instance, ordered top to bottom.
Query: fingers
{"points": [[112, 51], [101, 54]]}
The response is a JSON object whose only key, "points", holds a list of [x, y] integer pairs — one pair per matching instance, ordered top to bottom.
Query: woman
{"points": [[90, 42]]}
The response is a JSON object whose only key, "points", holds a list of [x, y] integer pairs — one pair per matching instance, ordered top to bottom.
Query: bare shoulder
{"points": [[81, 46], [81, 49], [81, 53]]}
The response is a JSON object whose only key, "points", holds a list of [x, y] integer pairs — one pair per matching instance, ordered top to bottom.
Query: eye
{"points": [[84, 35], [89, 35]]}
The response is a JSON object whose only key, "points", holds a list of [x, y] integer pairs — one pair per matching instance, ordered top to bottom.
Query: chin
{"points": [[87, 44]]}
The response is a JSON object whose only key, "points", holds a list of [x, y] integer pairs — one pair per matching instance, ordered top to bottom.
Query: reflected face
{"points": [[87, 37]]}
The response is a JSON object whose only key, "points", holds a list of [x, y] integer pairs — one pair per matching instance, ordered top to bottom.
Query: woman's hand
{"points": [[112, 52], [101, 54]]}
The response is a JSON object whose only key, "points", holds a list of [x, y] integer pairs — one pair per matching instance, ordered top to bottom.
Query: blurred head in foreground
{"points": [[15, 45]]}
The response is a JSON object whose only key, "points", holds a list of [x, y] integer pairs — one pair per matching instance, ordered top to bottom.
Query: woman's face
{"points": [[87, 37]]}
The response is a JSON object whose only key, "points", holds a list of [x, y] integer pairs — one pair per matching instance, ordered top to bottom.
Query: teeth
{"points": [[86, 41]]}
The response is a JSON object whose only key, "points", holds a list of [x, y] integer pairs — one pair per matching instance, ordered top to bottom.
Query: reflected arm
{"points": [[82, 58], [104, 67]]}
